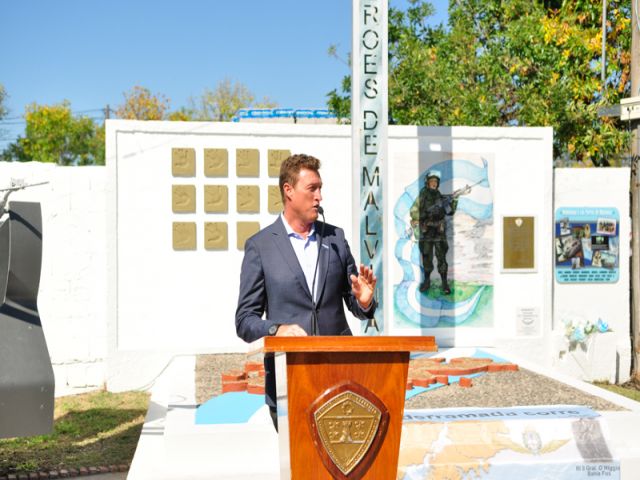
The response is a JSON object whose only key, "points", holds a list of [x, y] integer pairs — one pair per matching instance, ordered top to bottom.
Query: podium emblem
{"points": [[346, 422]]}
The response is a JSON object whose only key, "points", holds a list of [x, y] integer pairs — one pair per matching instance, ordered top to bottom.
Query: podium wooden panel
{"points": [[310, 372]]}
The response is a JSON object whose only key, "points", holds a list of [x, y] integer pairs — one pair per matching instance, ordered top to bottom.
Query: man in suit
{"points": [[299, 271]]}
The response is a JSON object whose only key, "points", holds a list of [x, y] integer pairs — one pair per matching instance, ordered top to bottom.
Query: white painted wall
{"points": [[522, 184], [596, 187], [71, 301], [163, 302], [117, 303]]}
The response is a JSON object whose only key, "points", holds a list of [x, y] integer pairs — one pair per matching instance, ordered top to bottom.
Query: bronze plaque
{"points": [[275, 159], [183, 162], [216, 162], [247, 162], [183, 198], [216, 198], [248, 199], [275, 199], [244, 230], [184, 235], [215, 236], [518, 243], [348, 423]]}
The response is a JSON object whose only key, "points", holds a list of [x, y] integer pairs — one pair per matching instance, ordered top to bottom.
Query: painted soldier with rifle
{"points": [[428, 217]]}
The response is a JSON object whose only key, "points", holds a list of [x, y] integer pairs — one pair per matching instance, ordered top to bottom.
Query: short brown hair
{"points": [[290, 169]]}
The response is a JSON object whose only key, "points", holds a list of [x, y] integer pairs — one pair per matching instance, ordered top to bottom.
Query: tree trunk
{"points": [[635, 201], [635, 264]]}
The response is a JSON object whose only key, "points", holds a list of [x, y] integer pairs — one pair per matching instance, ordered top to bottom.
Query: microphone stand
{"points": [[314, 308]]}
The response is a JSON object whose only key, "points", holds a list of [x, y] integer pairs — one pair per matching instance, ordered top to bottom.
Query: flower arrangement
{"points": [[578, 330]]}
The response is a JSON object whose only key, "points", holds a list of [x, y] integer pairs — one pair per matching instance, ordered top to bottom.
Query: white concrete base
{"points": [[593, 361], [623, 440], [172, 446], [221, 451]]}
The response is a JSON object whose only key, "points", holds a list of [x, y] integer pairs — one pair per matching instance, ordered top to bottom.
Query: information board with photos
{"points": [[587, 244]]}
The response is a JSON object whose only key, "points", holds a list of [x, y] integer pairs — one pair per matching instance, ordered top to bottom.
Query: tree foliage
{"points": [[512, 63], [3, 99], [222, 103], [141, 104], [3, 111], [54, 135]]}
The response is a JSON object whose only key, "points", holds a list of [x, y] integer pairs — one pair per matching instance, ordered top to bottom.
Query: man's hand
{"points": [[363, 286], [292, 330]]}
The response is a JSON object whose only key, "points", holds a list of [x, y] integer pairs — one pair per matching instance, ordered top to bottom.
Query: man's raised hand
{"points": [[363, 286]]}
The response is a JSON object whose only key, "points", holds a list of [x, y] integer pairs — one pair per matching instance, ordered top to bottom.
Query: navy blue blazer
{"points": [[272, 282]]}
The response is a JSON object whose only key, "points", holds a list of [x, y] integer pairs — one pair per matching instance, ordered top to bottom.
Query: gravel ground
{"points": [[208, 370], [499, 389]]}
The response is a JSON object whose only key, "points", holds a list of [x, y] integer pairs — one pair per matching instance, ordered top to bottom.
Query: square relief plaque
{"points": [[275, 159], [183, 162], [216, 162], [247, 162], [183, 198], [216, 198], [248, 199], [275, 199], [245, 230], [184, 235], [216, 236]]}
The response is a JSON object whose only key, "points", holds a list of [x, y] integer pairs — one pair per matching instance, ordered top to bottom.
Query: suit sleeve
{"points": [[252, 298], [349, 299]]}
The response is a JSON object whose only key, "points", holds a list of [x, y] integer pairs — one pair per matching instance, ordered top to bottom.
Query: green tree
{"points": [[512, 62], [3, 99], [340, 102], [222, 103], [141, 104], [3, 111], [54, 135]]}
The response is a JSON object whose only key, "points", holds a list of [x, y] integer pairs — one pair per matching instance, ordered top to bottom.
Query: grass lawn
{"points": [[631, 389], [92, 429]]}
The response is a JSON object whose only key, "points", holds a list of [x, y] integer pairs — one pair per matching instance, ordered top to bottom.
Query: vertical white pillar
{"points": [[369, 114]]}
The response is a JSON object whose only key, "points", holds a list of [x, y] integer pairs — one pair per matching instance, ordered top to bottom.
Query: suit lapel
{"points": [[283, 243]]}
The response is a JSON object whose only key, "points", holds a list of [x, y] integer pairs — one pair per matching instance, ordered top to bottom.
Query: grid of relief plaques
{"points": [[217, 191]]}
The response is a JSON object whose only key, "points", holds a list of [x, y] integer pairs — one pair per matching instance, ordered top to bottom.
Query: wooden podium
{"points": [[340, 404]]}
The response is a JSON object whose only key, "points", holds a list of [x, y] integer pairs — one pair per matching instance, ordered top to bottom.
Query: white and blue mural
{"points": [[469, 238]]}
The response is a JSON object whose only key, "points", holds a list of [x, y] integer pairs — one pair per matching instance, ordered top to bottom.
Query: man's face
{"points": [[432, 183], [305, 196]]}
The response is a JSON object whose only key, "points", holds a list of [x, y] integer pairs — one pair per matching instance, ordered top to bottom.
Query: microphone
{"points": [[314, 308]]}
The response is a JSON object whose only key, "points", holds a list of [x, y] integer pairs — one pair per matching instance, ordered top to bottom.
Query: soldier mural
{"points": [[428, 219]]}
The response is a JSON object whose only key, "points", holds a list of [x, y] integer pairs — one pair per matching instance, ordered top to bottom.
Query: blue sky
{"points": [[90, 52]]}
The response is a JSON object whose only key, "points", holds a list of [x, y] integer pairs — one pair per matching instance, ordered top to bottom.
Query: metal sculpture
{"points": [[26, 374]]}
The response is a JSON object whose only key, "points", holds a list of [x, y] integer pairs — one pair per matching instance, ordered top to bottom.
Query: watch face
{"points": [[273, 329]]}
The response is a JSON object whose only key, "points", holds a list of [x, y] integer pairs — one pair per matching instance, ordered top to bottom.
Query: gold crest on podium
{"points": [[346, 421]]}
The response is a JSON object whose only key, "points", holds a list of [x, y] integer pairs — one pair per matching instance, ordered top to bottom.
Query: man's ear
{"points": [[288, 190]]}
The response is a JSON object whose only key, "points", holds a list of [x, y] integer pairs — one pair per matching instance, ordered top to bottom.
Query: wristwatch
{"points": [[273, 329]]}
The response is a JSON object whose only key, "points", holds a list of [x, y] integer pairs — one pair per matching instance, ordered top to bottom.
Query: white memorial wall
{"points": [[598, 194], [118, 301]]}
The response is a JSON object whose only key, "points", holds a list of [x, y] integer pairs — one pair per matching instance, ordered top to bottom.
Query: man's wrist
{"points": [[367, 308], [273, 329]]}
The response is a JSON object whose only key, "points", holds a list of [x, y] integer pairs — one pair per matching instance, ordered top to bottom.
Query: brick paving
{"points": [[503, 385]]}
